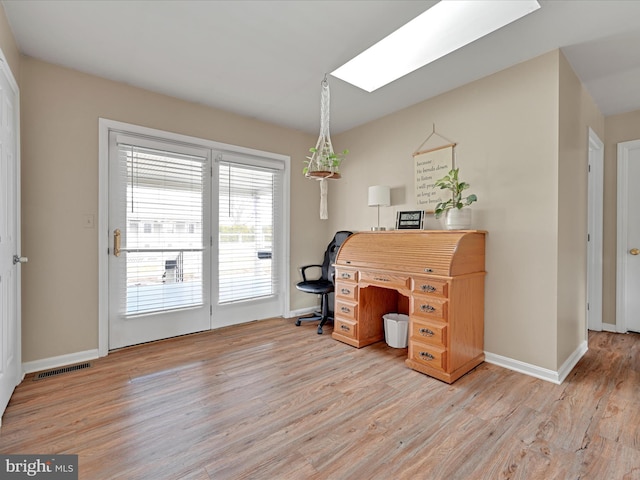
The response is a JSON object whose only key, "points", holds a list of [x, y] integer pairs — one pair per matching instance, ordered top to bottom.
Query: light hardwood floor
{"points": [[269, 400]]}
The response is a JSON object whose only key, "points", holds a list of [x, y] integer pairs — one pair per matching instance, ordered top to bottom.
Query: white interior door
{"points": [[159, 227], [628, 271], [10, 352]]}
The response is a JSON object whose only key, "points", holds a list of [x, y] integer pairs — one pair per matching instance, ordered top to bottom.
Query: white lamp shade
{"points": [[379, 196]]}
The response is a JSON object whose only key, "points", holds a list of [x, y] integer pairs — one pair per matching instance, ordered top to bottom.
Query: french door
{"points": [[159, 218], [197, 235], [249, 268], [10, 352]]}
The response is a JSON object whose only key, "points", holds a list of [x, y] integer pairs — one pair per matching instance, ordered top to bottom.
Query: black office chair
{"points": [[323, 285]]}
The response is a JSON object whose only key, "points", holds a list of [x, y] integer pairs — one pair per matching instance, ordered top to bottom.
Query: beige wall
{"points": [[60, 111], [577, 112], [618, 128], [506, 129]]}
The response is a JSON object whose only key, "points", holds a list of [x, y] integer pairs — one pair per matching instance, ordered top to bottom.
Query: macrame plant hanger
{"points": [[323, 164]]}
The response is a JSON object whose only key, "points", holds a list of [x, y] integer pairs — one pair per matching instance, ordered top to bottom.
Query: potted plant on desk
{"points": [[456, 216]]}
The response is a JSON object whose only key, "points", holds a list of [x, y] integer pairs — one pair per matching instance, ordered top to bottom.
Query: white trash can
{"points": [[396, 329]]}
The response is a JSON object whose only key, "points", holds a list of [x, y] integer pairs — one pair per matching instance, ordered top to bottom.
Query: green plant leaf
{"points": [[452, 183]]}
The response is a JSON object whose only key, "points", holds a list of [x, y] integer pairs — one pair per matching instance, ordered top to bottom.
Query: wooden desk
{"points": [[434, 276]]}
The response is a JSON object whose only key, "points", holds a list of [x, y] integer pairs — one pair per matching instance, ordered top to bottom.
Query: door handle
{"points": [[116, 242], [634, 251], [17, 259]]}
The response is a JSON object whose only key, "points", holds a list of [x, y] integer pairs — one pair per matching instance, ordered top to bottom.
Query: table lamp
{"points": [[379, 196]]}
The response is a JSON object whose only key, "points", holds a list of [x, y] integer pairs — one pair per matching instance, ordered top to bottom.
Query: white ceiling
{"points": [[266, 59]]}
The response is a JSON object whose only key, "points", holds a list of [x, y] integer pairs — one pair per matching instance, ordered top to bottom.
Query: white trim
{"points": [[7, 69], [104, 127], [189, 140], [595, 160], [621, 231], [103, 235], [621, 252], [302, 311], [573, 359], [59, 361], [536, 371]]}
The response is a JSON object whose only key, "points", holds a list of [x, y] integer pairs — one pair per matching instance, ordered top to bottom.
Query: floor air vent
{"points": [[60, 371]]}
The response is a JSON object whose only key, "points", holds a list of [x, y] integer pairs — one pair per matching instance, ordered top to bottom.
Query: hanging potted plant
{"points": [[324, 162], [457, 217]]}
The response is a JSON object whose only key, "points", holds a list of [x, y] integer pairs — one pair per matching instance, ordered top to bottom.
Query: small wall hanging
{"points": [[324, 163], [430, 165]]}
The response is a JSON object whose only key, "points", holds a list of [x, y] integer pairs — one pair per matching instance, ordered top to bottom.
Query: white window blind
{"points": [[249, 206], [164, 241]]}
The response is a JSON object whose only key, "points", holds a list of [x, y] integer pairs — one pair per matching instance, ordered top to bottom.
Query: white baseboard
{"points": [[302, 311], [573, 359], [60, 361], [536, 371]]}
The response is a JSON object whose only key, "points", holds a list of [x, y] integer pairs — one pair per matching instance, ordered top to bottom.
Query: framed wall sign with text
{"points": [[430, 165], [412, 220]]}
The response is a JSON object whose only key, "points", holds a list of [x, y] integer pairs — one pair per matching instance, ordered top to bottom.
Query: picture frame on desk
{"points": [[410, 220]]}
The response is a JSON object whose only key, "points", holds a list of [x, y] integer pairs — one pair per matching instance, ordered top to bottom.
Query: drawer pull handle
{"points": [[428, 270], [346, 275], [428, 288], [345, 291], [427, 308], [345, 310], [344, 328], [425, 332], [426, 356]]}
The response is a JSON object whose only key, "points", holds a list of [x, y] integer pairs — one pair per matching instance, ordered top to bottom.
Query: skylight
{"points": [[444, 28]]}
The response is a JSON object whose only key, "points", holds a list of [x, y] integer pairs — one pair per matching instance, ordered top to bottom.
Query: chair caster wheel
{"points": [[298, 323], [319, 330]]}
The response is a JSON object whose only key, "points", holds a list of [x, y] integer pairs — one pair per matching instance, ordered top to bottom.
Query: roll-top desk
{"points": [[434, 276]]}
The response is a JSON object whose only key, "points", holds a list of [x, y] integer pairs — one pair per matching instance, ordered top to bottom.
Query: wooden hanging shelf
{"points": [[324, 174]]}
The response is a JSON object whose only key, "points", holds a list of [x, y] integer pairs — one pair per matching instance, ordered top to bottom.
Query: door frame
{"points": [[104, 127], [595, 231]]}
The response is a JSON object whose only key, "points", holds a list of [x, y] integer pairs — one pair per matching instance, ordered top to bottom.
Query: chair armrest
{"points": [[304, 268]]}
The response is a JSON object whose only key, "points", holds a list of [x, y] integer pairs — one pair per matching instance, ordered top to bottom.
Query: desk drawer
{"points": [[346, 275], [386, 280], [432, 286], [346, 290], [429, 307], [346, 309], [345, 327], [434, 333], [429, 355]]}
